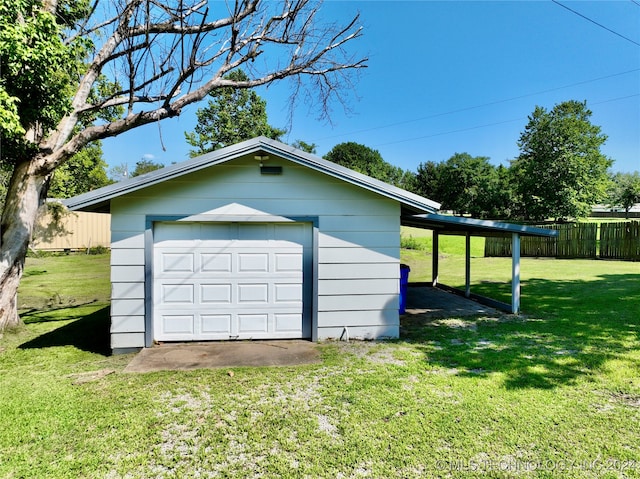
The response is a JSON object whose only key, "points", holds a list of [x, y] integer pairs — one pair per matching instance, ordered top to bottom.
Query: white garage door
{"points": [[231, 281]]}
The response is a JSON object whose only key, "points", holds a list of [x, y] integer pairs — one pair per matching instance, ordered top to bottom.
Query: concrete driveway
{"points": [[421, 301], [436, 303], [184, 356]]}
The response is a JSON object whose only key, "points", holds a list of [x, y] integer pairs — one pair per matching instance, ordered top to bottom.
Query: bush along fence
{"points": [[576, 240]]}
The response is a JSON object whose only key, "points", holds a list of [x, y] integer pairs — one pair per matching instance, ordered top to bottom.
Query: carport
{"points": [[468, 227]]}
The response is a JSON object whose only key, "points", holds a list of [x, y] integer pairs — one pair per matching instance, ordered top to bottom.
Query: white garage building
{"points": [[254, 241]]}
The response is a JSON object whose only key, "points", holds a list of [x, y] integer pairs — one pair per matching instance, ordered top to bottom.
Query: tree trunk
{"points": [[24, 197]]}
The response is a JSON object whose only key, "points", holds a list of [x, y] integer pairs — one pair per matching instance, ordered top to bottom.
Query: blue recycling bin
{"points": [[404, 285]]}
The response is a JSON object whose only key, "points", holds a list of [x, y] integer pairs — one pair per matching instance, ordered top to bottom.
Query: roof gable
{"points": [[99, 200]]}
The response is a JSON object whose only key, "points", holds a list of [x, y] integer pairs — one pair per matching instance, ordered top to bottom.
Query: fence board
{"points": [[77, 230], [575, 240], [620, 241]]}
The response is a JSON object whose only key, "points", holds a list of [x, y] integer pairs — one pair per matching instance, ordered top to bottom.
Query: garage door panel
{"points": [[216, 231], [256, 231], [176, 232], [296, 233], [216, 262], [288, 262], [178, 263], [253, 263], [288, 292], [177, 293], [215, 293], [253, 293], [288, 322], [253, 323], [177, 324], [216, 324]]}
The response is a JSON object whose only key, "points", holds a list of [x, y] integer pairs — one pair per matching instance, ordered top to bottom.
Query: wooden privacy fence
{"points": [[75, 231], [576, 240], [620, 240]]}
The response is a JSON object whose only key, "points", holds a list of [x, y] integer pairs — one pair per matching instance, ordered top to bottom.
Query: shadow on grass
{"points": [[50, 314], [571, 330], [89, 333]]}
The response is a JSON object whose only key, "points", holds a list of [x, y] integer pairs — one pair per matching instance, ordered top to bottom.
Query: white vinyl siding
{"points": [[358, 241], [358, 275]]}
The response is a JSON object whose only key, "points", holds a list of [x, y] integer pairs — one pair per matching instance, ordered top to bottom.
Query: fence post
{"points": [[435, 253], [515, 273]]}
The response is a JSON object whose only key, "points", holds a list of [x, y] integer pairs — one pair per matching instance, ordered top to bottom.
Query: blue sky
{"points": [[447, 77]]}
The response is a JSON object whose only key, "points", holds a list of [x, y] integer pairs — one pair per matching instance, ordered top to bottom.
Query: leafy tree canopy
{"points": [[38, 68], [231, 116], [304, 146], [365, 160], [145, 166], [85, 171], [560, 172], [466, 185], [625, 190]]}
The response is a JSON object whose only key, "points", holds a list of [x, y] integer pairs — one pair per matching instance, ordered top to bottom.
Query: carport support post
{"points": [[435, 254], [467, 266], [515, 273]]}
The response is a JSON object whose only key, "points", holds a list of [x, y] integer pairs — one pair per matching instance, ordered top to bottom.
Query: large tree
{"points": [[77, 71], [231, 116], [368, 161], [560, 172], [466, 184], [625, 190]]}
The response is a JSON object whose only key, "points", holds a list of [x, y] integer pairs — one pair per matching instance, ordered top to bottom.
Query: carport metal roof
{"points": [[461, 226]]}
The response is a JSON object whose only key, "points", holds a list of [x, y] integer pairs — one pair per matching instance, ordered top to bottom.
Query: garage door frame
{"points": [[149, 243]]}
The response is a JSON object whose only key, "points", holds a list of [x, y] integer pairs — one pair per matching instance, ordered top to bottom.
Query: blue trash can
{"points": [[404, 284]]}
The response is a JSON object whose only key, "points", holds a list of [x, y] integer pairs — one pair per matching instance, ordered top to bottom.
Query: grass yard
{"points": [[552, 393]]}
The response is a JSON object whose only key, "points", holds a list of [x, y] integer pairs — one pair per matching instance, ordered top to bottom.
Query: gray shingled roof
{"points": [[99, 200]]}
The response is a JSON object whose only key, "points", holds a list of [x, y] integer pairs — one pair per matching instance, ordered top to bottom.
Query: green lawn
{"points": [[552, 393]]}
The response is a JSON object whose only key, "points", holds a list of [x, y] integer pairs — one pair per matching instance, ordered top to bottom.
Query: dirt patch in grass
{"points": [[376, 352], [630, 400]]}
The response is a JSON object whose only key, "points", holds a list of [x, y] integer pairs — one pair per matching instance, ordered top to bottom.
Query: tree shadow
{"points": [[49, 314], [571, 330], [89, 333]]}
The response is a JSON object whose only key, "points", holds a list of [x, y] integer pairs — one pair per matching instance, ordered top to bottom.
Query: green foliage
{"points": [[38, 68], [233, 115], [9, 117], [304, 146], [367, 161], [145, 166], [85, 171], [560, 172], [5, 176], [465, 179], [466, 185], [625, 190], [410, 242]]}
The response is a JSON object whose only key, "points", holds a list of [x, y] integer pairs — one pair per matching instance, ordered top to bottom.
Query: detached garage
{"points": [[254, 241]]}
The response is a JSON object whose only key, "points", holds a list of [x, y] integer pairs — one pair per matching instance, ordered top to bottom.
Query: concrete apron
{"points": [[185, 356]]}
